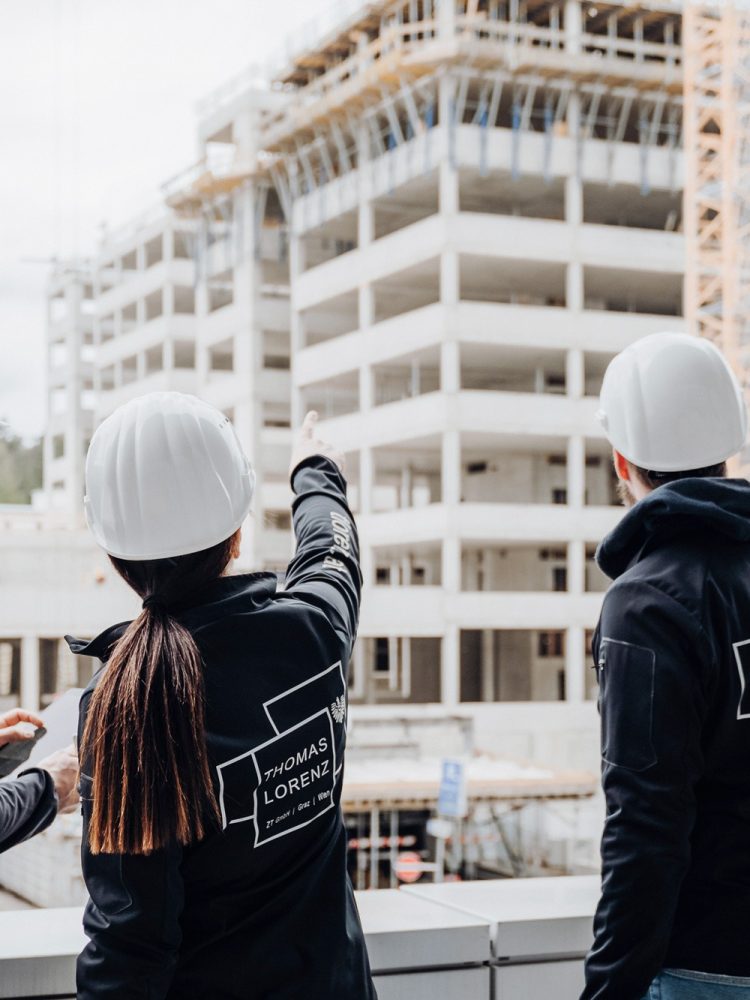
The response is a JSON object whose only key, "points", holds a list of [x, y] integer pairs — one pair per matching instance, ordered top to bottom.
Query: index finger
{"points": [[308, 424], [20, 715]]}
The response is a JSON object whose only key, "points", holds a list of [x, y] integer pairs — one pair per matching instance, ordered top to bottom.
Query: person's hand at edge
{"points": [[308, 444], [15, 728], [62, 765]]}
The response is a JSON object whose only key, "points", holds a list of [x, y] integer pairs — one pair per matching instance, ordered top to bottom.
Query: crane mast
{"points": [[716, 39]]}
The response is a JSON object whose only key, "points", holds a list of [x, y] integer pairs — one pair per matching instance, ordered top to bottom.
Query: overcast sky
{"points": [[97, 110]]}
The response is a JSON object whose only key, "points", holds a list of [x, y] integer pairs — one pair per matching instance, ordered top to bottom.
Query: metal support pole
{"points": [[374, 846], [393, 848], [361, 854], [440, 859]]}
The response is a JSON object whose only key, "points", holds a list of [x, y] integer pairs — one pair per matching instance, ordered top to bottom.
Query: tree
{"points": [[20, 467]]}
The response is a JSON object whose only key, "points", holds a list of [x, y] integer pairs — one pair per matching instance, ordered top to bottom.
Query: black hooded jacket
{"points": [[672, 654], [262, 909]]}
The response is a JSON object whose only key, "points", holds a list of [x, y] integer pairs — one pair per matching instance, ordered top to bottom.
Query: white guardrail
{"points": [[507, 939]]}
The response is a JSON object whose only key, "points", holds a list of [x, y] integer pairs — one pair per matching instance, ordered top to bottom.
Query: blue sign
{"points": [[452, 799]]}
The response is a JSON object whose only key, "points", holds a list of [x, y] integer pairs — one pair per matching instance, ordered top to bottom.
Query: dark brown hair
{"points": [[654, 479], [144, 741]]}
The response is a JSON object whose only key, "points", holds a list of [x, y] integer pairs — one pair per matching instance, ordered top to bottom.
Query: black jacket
{"points": [[672, 651], [28, 805], [263, 908]]}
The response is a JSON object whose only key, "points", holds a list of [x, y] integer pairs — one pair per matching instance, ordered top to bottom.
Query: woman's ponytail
{"points": [[144, 741]]}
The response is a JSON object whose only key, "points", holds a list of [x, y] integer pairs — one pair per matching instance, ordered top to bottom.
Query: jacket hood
{"points": [[696, 505], [224, 596]]}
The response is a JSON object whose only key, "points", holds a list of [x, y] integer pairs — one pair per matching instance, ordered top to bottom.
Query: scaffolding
{"points": [[515, 65], [372, 86], [717, 183], [717, 188], [387, 804]]}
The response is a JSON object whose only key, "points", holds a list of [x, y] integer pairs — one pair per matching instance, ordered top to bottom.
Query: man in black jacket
{"points": [[672, 654], [29, 802]]}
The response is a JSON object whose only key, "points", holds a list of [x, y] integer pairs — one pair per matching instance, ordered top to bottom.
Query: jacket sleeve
{"points": [[325, 569], [650, 650], [28, 805], [132, 919]]}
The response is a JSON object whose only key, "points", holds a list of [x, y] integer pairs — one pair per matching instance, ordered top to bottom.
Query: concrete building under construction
{"points": [[483, 203], [435, 224]]}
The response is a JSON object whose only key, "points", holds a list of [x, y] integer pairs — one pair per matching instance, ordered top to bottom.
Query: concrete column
{"points": [[446, 12], [573, 26], [448, 179], [573, 186], [448, 197], [365, 223], [168, 244], [297, 256], [450, 278], [574, 289], [201, 300], [366, 306], [296, 324], [248, 348], [168, 354], [202, 365], [450, 366], [575, 374], [366, 388], [74, 455], [451, 468], [576, 471], [366, 476], [406, 486], [451, 547], [367, 566], [451, 566], [576, 567], [451, 573], [393, 663], [575, 663], [488, 665], [406, 666], [451, 666], [360, 669], [30, 673]]}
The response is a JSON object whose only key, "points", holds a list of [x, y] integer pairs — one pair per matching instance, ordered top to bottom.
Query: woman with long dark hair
{"points": [[212, 738]]}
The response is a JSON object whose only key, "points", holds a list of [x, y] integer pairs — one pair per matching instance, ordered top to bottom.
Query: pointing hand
{"points": [[308, 443]]}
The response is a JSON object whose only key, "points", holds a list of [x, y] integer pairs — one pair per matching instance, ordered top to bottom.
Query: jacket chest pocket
{"points": [[627, 675]]}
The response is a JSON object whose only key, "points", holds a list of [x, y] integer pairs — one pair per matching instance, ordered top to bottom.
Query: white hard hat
{"points": [[671, 403], [165, 476]]}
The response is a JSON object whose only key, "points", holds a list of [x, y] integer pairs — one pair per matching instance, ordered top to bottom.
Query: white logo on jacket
{"points": [[742, 652], [288, 780]]}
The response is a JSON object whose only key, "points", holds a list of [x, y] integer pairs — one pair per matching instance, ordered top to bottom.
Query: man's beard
{"points": [[626, 497]]}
